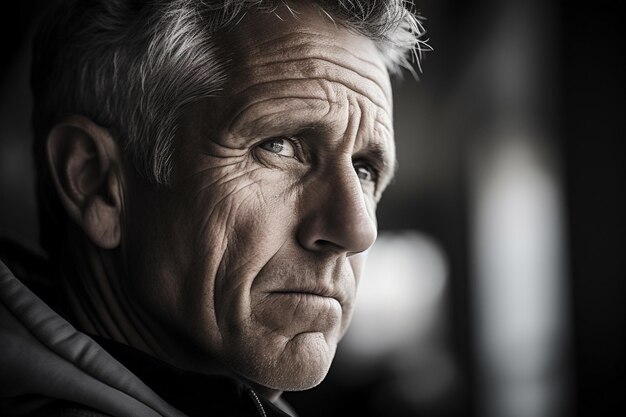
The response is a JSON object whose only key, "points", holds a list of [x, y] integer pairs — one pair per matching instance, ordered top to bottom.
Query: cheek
{"points": [[238, 215], [245, 222], [248, 222], [197, 249]]}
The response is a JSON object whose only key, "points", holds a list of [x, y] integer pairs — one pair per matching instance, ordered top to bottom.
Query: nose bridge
{"points": [[338, 217]]}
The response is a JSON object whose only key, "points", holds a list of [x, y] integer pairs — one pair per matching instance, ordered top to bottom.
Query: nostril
{"points": [[325, 244]]}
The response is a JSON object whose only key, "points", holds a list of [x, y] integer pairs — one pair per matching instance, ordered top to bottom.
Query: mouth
{"points": [[318, 293], [310, 300], [306, 301], [297, 311]]}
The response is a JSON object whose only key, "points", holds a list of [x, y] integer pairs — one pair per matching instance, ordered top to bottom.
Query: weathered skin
{"points": [[253, 255]]}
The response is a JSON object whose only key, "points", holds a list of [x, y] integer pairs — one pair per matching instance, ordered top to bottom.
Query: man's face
{"points": [[253, 255]]}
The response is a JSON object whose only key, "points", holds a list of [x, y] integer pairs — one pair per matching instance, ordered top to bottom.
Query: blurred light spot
{"points": [[518, 280], [399, 294]]}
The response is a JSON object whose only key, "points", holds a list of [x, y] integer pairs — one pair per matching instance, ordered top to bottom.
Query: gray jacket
{"points": [[43, 358]]}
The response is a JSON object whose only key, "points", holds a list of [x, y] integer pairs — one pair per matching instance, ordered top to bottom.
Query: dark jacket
{"points": [[48, 368]]}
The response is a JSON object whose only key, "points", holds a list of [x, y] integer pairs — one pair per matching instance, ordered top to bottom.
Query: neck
{"points": [[91, 286]]}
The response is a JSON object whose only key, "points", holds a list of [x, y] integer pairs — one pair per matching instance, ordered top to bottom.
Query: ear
{"points": [[86, 168]]}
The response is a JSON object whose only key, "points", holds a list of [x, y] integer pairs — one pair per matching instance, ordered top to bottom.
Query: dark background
{"points": [[580, 62]]}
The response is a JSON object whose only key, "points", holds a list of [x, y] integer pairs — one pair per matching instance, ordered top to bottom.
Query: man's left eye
{"points": [[282, 147], [365, 172]]}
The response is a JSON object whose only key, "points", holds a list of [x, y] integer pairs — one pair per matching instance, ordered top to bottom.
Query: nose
{"points": [[336, 216]]}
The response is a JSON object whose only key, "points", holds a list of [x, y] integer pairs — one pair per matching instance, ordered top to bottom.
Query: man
{"points": [[208, 179]]}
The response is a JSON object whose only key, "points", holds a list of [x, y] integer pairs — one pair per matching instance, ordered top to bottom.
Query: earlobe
{"points": [[84, 162]]}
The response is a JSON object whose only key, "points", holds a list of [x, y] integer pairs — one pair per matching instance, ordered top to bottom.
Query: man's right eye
{"points": [[279, 146]]}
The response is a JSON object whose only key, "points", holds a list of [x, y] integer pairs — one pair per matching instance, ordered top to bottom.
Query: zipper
{"points": [[257, 402]]}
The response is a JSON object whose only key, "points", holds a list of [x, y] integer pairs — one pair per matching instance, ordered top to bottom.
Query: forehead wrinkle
{"points": [[297, 42], [308, 48], [347, 50], [316, 68], [248, 94], [251, 103], [259, 109], [384, 122], [255, 123], [354, 123], [358, 134], [367, 135]]}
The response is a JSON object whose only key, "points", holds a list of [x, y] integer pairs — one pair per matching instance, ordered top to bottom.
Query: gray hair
{"points": [[133, 65]]}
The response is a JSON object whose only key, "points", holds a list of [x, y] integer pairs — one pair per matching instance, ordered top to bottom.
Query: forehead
{"points": [[269, 46]]}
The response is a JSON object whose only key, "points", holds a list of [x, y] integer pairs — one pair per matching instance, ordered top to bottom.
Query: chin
{"points": [[302, 365]]}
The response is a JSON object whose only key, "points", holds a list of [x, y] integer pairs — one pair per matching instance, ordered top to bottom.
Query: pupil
{"points": [[277, 146]]}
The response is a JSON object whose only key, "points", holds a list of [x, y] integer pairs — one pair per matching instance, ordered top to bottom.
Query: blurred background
{"points": [[496, 288]]}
